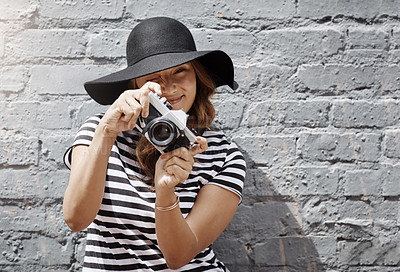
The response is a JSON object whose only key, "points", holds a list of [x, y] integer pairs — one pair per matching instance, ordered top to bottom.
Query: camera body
{"points": [[165, 128]]}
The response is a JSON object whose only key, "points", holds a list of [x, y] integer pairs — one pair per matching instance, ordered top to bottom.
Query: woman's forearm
{"points": [[85, 190], [175, 238]]}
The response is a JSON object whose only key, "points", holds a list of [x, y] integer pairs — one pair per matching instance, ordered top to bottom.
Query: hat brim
{"points": [[107, 89]]}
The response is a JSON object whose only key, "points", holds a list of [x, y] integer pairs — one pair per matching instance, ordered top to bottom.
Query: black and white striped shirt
{"points": [[122, 237]]}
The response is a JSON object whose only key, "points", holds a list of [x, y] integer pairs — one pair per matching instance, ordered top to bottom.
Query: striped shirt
{"points": [[122, 237]]}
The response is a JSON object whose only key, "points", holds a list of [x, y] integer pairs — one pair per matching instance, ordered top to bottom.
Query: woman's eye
{"points": [[180, 70]]}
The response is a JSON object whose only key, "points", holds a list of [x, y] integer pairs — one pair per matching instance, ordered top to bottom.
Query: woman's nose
{"points": [[168, 87]]}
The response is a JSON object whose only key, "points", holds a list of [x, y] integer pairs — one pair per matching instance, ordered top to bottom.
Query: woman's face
{"points": [[178, 85]]}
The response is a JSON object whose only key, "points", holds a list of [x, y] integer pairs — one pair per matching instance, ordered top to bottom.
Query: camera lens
{"points": [[162, 132]]}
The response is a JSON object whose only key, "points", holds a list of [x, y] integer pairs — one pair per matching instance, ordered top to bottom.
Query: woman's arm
{"points": [[85, 190], [181, 239]]}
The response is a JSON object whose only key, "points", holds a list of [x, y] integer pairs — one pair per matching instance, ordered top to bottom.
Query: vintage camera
{"points": [[165, 128]]}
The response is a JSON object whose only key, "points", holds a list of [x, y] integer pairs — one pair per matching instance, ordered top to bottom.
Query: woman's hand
{"points": [[124, 112], [174, 167]]}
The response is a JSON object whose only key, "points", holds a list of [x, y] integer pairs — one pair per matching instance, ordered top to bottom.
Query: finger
{"points": [[153, 86], [144, 101], [131, 109], [200, 147], [181, 152], [176, 161], [177, 172]]}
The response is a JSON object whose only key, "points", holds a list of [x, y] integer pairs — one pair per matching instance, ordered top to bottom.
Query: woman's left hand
{"points": [[174, 167]]}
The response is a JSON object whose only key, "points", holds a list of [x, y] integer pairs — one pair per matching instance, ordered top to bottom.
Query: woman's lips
{"points": [[174, 100]]}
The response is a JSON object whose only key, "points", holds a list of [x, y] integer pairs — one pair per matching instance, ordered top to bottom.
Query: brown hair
{"points": [[201, 115]]}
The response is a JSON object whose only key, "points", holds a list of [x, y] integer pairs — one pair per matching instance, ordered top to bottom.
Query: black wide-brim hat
{"points": [[154, 45]]}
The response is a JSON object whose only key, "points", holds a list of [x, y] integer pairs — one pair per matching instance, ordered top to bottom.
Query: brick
{"points": [[15, 9], [147, 9], [227, 9], [255, 9], [357, 9], [78, 10], [367, 38], [395, 38], [49, 43], [108, 43], [1, 45], [299, 45], [240, 50], [324, 77], [12, 78], [390, 78], [66, 79], [271, 79], [88, 109], [228, 113], [288, 113], [361, 114], [3, 115], [21, 115], [29, 115], [53, 115], [392, 143], [339, 147], [53, 148], [19, 150], [268, 150], [304, 181], [390, 181], [362, 182], [52, 183], [23, 184], [355, 212], [316, 213], [386, 213], [271, 218], [16, 219], [227, 248], [326, 248], [47, 251], [295, 252], [372, 252]]}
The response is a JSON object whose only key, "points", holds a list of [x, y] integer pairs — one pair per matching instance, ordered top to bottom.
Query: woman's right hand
{"points": [[124, 112]]}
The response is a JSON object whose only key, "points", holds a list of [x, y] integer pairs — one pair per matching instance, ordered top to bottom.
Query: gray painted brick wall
{"points": [[316, 115]]}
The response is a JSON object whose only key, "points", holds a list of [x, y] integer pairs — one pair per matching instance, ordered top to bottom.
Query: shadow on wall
{"points": [[265, 234]]}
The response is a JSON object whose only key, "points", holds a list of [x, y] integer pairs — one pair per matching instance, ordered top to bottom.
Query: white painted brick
{"points": [[200, 9], [11, 10], [78, 10], [49, 43], [108, 44], [1, 45], [240, 50], [324, 77], [13, 78], [64, 79], [19, 150]]}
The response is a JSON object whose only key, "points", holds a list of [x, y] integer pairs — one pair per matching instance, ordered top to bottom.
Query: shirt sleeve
{"points": [[83, 137], [232, 174]]}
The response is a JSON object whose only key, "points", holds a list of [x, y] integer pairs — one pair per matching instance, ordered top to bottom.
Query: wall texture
{"points": [[317, 115]]}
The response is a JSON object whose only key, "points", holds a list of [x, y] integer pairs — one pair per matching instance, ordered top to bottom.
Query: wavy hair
{"points": [[201, 115]]}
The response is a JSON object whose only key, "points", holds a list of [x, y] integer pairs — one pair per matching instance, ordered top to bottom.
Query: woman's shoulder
{"points": [[218, 142]]}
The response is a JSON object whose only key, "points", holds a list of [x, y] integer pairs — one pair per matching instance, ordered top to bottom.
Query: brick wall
{"points": [[316, 115]]}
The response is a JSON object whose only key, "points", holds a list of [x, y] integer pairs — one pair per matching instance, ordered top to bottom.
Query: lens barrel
{"points": [[162, 132]]}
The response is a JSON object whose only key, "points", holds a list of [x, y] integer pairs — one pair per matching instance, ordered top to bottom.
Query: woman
{"points": [[145, 211]]}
